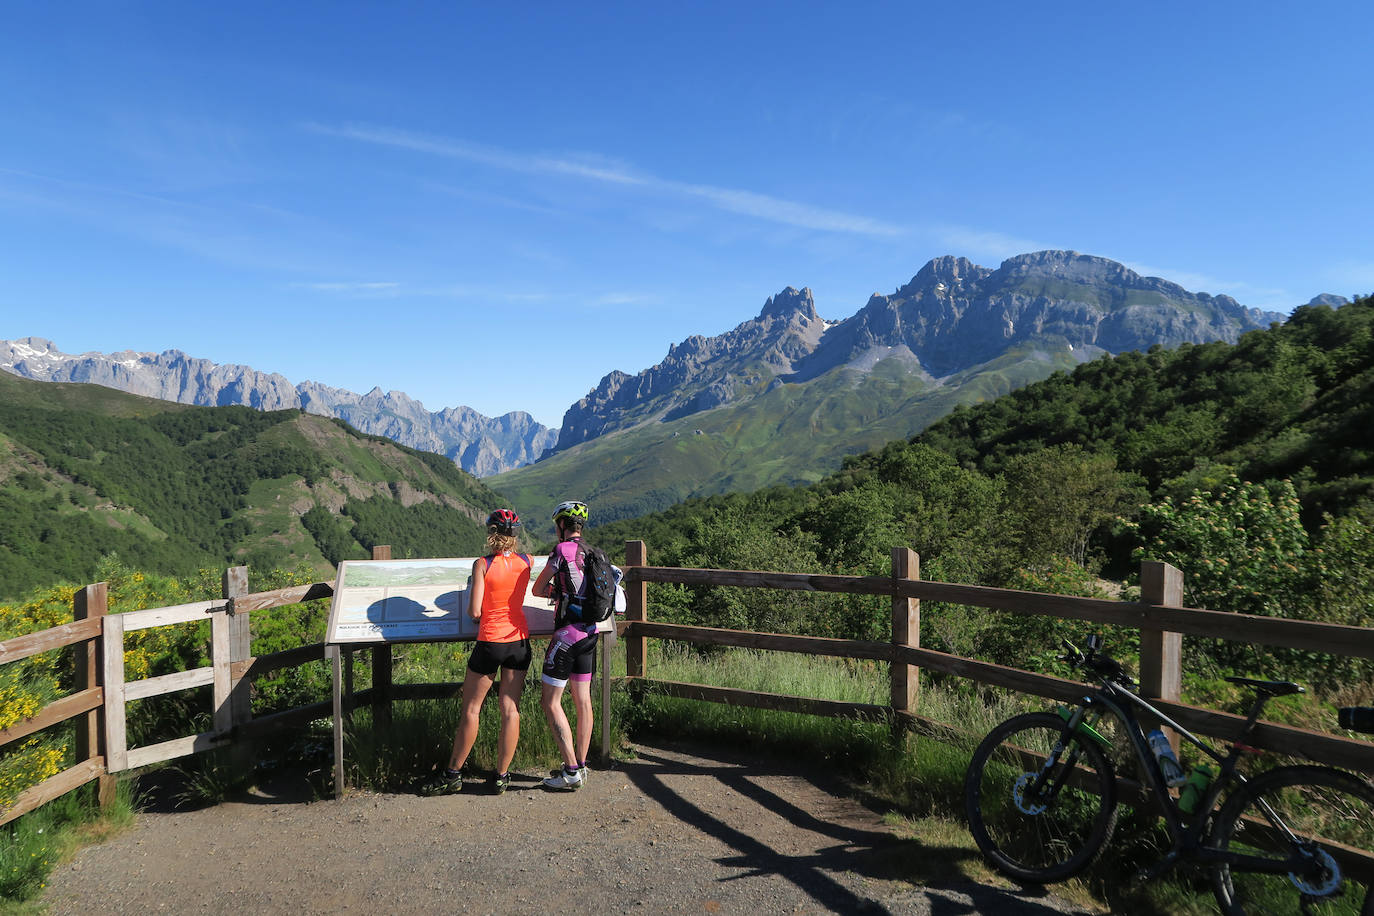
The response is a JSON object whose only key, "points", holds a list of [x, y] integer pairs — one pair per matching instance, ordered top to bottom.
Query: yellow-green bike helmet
{"points": [[571, 509]]}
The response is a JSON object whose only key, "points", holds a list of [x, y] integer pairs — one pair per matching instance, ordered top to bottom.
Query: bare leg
{"points": [[512, 683], [475, 687], [552, 701], [582, 703]]}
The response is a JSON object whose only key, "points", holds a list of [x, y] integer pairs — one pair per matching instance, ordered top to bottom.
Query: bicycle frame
{"points": [[1186, 839]]}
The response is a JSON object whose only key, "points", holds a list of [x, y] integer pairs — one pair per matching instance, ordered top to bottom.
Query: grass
{"points": [[33, 845]]}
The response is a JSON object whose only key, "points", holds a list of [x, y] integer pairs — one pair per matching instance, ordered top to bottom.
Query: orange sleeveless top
{"points": [[504, 585]]}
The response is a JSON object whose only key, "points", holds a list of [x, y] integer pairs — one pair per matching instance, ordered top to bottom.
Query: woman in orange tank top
{"points": [[496, 600]]}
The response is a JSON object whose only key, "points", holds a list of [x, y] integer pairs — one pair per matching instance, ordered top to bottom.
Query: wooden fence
{"points": [[1159, 616], [101, 693]]}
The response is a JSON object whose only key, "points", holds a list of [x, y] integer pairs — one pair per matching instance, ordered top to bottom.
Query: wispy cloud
{"points": [[495, 200], [731, 200], [239, 233], [349, 287], [625, 299]]}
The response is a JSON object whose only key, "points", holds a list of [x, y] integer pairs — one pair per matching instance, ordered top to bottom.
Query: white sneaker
{"points": [[585, 770], [564, 781]]}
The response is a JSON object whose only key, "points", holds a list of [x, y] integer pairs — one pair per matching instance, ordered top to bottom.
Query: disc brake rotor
{"points": [[1018, 794]]}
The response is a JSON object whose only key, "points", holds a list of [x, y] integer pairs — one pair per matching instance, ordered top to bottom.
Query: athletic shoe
{"points": [[585, 770], [565, 781], [443, 783], [499, 783]]}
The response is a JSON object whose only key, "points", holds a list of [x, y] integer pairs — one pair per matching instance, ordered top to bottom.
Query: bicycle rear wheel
{"points": [[1038, 814], [1332, 815]]}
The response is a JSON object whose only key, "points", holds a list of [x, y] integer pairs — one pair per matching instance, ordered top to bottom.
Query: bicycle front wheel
{"points": [[1039, 810], [1310, 831]]}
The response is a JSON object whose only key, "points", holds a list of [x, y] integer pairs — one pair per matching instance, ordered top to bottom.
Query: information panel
{"points": [[381, 601]]}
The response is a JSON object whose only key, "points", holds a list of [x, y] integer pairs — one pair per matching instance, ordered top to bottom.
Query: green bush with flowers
{"points": [[29, 685]]}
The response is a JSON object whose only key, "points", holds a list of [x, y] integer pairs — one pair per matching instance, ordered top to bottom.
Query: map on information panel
{"points": [[414, 601]]}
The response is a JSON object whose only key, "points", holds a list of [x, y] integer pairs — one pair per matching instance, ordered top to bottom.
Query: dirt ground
{"points": [[668, 832]]}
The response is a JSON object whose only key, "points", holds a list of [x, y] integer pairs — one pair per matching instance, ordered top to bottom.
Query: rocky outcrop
{"points": [[954, 315], [701, 372], [479, 444]]}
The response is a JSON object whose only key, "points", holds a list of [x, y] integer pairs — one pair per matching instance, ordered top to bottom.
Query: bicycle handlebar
{"points": [[1099, 663]]}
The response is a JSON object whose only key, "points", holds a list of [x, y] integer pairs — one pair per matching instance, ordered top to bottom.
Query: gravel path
{"points": [[668, 832]]}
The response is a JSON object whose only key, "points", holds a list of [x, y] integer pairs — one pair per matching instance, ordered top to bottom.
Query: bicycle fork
{"points": [[1035, 796]]}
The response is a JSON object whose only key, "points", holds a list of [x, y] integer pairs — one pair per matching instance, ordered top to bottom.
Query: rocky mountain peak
{"points": [[1068, 265], [949, 270], [1330, 299], [789, 302], [955, 315], [700, 373]]}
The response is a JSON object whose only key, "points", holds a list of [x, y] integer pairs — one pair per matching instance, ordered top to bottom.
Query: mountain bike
{"points": [[1041, 797]]}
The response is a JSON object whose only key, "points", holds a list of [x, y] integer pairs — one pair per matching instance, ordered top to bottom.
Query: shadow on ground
{"points": [[876, 854]]}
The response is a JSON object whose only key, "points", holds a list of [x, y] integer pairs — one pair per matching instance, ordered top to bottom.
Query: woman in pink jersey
{"points": [[496, 601], [571, 658]]}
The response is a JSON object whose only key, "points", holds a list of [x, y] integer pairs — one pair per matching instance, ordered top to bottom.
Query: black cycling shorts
{"points": [[571, 652], [486, 657]]}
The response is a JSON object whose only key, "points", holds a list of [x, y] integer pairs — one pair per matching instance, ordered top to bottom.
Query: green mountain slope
{"points": [[1296, 402], [789, 434], [86, 471]]}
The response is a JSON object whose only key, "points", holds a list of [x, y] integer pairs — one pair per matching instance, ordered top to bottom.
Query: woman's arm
{"points": [[542, 584], [477, 589]]}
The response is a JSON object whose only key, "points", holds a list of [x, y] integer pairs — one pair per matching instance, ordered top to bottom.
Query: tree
{"points": [[1060, 496], [1241, 548]]}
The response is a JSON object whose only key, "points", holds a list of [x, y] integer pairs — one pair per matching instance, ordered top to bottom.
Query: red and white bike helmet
{"points": [[504, 521]]}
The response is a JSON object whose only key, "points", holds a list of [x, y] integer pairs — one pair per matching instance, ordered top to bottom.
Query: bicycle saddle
{"points": [[1273, 688]]}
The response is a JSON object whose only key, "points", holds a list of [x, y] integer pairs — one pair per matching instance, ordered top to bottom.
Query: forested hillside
{"points": [[1294, 402], [1249, 466], [86, 471]]}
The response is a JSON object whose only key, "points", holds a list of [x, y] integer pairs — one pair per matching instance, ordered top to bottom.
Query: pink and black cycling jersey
{"points": [[567, 570]]}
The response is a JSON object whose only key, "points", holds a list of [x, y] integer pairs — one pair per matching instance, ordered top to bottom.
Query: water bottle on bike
{"points": [[1168, 760]]}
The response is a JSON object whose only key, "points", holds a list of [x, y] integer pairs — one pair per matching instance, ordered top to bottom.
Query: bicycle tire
{"points": [[1314, 802], [1039, 840]]}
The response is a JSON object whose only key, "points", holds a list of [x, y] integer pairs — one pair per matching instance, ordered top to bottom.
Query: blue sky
{"points": [[496, 204]]}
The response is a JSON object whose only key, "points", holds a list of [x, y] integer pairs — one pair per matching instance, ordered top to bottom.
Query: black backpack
{"points": [[597, 601]]}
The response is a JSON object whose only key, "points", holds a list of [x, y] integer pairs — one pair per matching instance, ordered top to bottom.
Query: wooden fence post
{"points": [[234, 584], [92, 601], [636, 604], [906, 631], [1161, 653], [332, 654], [381, 665], [219, 666], [112, 682]]}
